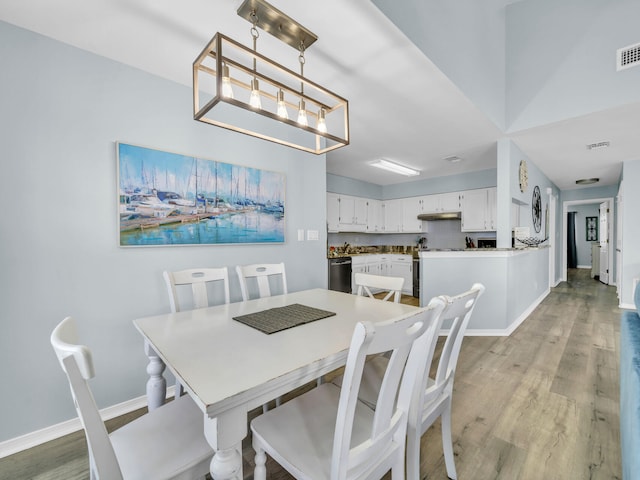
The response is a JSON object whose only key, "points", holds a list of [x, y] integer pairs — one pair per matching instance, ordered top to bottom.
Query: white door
{"points": [[619, 209], [604, 243]]}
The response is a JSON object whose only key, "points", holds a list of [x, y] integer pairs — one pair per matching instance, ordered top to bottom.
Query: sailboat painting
{"points": [[171, 199]]}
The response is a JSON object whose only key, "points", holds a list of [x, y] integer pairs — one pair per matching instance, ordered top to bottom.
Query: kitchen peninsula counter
{"points": [[516, 281]]}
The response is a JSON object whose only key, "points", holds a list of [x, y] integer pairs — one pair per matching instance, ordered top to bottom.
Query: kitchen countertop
{"points": [[416, 253]]}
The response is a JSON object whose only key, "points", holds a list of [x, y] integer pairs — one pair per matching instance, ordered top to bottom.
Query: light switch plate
{"points": [[301, 235], [312, 235]]}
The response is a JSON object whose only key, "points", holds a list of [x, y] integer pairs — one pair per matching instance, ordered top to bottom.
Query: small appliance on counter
{"points": [[486, 243]]}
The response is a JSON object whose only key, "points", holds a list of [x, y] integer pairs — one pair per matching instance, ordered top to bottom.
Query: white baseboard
{"points": [[584, 267], [627, 306], [504, 332], [33, 439]]}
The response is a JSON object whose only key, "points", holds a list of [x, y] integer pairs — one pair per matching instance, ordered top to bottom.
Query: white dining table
{"points": [[229, 368]]}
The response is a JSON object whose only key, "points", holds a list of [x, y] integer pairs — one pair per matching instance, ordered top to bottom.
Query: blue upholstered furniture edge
{"points": [[630, 391]]}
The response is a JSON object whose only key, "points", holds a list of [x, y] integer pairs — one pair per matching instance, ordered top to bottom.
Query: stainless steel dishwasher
{"points": [[340, 274]]}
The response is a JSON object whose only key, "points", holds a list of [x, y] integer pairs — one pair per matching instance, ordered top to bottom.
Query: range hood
{"points": [[440, 216]]}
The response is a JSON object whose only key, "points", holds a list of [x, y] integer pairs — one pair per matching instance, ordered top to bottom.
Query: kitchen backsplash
{"points": [[441, 234]]}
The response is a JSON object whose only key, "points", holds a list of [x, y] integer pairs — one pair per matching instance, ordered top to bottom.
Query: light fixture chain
{"points": [[255, 34], [302, 61]]}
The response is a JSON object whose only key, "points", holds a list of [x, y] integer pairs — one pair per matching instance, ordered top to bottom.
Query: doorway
{"points": [[607, 260]]}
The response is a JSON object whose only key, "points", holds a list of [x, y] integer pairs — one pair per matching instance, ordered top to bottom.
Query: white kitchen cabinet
{"points": [[441, 202], [449, 202], [411, 208], [492, 209], [479, 210], [333, 212], [346, 213], [353, 214], [392, 214], [375, 222], [364, 264], [384, 265], [393, 265], [402, 266]]}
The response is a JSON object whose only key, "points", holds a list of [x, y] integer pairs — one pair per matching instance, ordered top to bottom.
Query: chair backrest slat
{"points": [[262, 273]]}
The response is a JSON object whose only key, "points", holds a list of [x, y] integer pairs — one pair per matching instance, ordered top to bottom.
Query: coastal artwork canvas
{"points": [[173, 199]]}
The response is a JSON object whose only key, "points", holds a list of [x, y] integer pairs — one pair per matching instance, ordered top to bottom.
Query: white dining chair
{"points": [[263, 274], [199, 280], [367, 281], [391, 285], [434, 395], [327, 433], [167, 443]]}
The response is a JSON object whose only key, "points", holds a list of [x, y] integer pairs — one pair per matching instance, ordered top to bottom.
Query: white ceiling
{"points": [[401, 106]]}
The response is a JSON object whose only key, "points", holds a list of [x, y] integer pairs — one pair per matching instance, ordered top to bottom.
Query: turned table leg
{"points": [[157, 384], [225, 433]]}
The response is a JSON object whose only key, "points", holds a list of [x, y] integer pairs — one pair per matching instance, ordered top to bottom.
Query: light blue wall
{"points": [[465, 39], [561, 59], [62, 111], [509, 158], [449, 183], [351, 186], [609, 191], [630, 228], [513, 284]]}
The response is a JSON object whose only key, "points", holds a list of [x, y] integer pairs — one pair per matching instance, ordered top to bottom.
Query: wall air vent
{"points": [[628, 57], [593, 146]]}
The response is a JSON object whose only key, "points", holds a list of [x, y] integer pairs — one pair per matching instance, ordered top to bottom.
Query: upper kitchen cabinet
{"points": [[441, 202], [411, 208], [479, 210], [333, 212], [346, 213], [353, 213], [392, 215], [375, 222]]}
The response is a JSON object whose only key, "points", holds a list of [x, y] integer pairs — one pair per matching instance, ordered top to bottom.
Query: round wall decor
{"points": [[536, 209]]}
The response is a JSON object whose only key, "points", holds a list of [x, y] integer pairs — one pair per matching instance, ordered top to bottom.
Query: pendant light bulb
{"points": [[227, 91], [254, 99], [282, 108], [302, 114], [322, 123]]}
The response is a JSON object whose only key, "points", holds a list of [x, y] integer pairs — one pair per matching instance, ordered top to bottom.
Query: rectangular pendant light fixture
{"points": [[237, 88], [395, 168]]}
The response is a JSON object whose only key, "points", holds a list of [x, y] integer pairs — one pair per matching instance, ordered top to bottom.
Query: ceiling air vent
{"points": [[628, 57]]}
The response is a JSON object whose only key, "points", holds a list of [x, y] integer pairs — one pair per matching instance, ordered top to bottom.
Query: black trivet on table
{"points": [[281, 318]]}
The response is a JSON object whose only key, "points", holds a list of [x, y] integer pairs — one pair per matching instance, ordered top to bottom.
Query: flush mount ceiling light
{"points": [[233, 83], [395, 168], [587, 181]]}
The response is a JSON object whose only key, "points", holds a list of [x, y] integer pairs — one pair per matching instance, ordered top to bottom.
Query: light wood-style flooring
{"points": [[539, 404]]}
